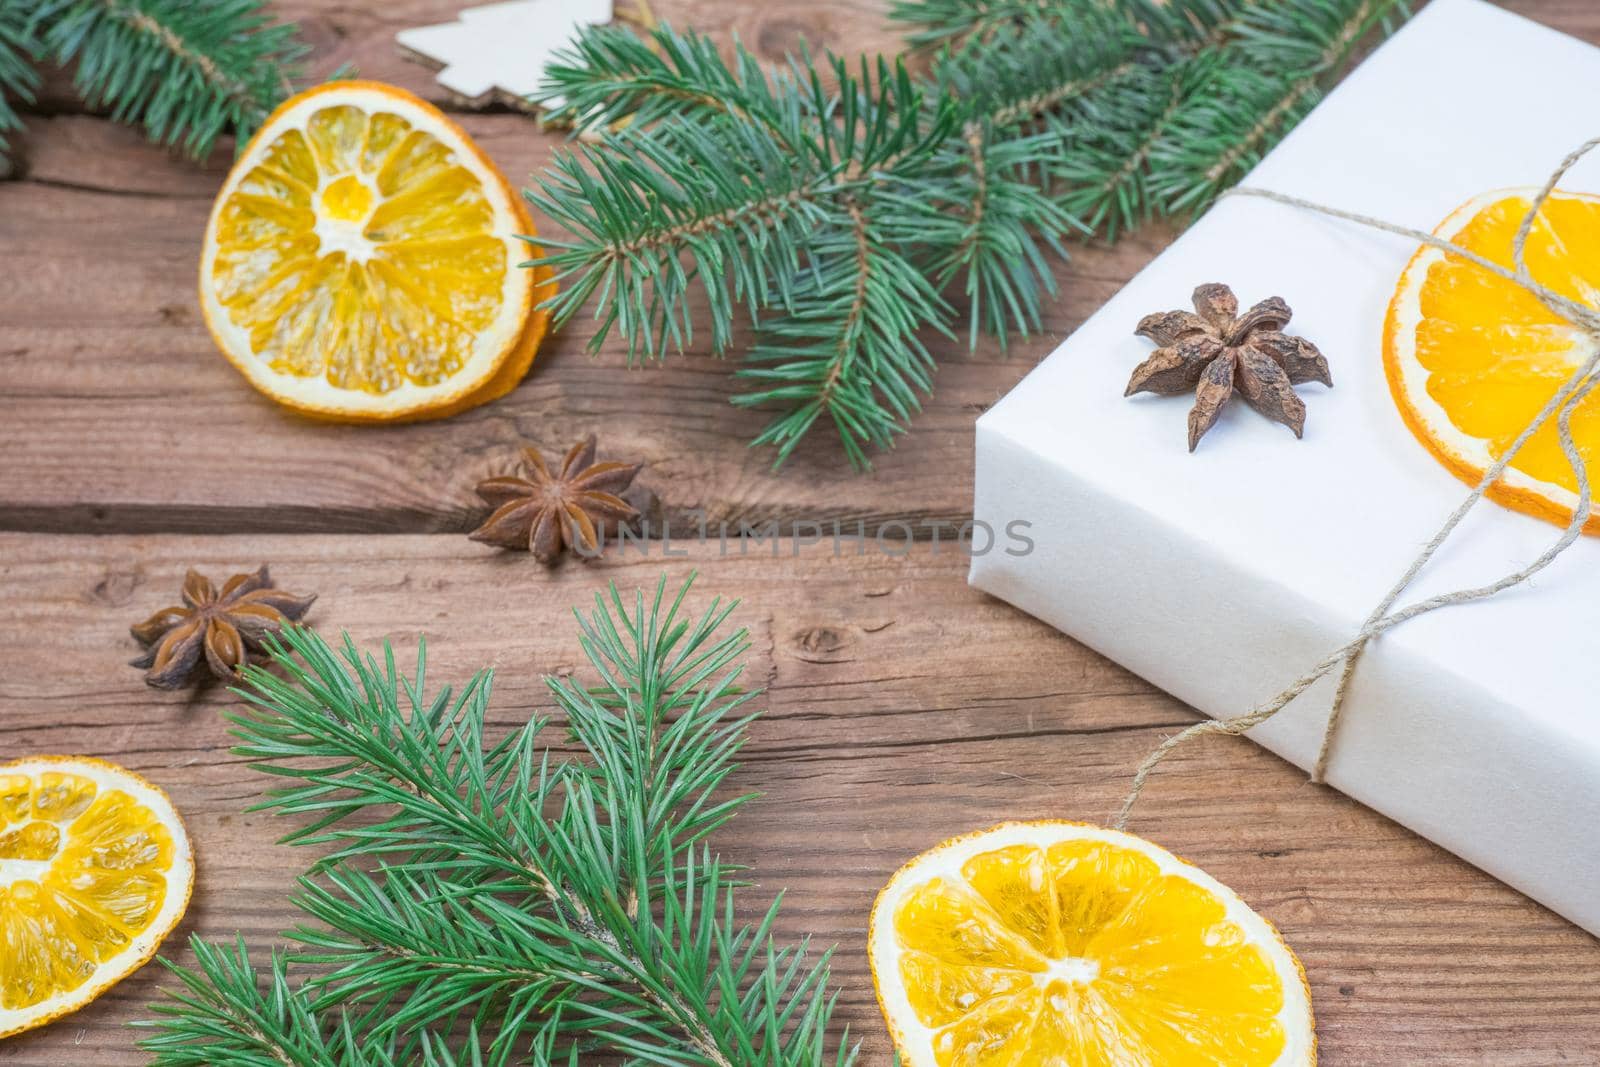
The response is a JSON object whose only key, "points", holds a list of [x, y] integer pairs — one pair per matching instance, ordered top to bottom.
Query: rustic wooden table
{"points": [[902, 707]]}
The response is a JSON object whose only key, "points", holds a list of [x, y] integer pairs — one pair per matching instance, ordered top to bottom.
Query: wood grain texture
{"points": [[130, 420], [902, 707]]}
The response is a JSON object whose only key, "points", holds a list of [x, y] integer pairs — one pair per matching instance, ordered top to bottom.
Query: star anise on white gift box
{"points": [[1219, 351]]}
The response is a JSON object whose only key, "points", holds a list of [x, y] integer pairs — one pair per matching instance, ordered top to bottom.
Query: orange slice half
{"points": [[361, 261], [1471, 358], [95, 871], [1047, 943]]}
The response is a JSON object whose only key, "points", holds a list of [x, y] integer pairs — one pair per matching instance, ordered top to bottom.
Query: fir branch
{"points": [[959, 25], [1190, 27], [187, 72], [1021, 74], [611, 76], [18, 78], [1260, 87], [1104, 180], [787, 194], [771, 195], [819, 204], [651, 217], [997, 228], [847, 345], [545, 907], [226, 1015], [221, 1017]]}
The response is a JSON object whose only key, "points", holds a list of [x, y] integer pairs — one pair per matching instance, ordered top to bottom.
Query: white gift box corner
{"points": [[1223, 575]]}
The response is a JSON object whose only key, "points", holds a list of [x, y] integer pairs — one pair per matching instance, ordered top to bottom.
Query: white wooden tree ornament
{"points": [[497, 53]]}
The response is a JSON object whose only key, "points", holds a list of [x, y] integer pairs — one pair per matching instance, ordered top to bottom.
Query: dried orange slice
{"points": [[361, 262], [1472, 358], [95, 871], [1063, 943]]}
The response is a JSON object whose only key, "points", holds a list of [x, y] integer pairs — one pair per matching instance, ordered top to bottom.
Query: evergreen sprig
{"points": [[186, 71], [18, 78], [794, 191], [845, 212], [484, 901]]}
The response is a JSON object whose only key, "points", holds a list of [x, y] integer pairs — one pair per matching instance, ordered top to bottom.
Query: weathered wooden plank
{"points": [[1577, 17], [361, 36], [100, 345], [118, 414], [902, 707], [880, 739]]}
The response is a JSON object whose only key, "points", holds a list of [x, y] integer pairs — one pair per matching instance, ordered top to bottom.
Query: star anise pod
{"points": [[1219, 350], [574, 508], [225, 625]]}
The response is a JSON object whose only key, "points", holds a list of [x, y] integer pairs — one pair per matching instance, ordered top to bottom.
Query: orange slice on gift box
{"points": [[361, 262], [1471, 358], [95, 871], [1063, 943]]}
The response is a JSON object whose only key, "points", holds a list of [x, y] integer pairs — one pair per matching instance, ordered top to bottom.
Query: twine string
{"points": [[1382, 618]]}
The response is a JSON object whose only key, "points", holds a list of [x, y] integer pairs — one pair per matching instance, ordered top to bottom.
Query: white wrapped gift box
{"points": [[1223, 575]]}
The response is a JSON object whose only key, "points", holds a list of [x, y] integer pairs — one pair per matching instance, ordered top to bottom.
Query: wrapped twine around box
{"points": [[1384, 617]]}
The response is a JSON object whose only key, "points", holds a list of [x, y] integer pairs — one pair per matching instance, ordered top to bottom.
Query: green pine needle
{"points": [[962, 25], [186, 71], [18, 78], [846, 213], [827, 217], [481, 901]]}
